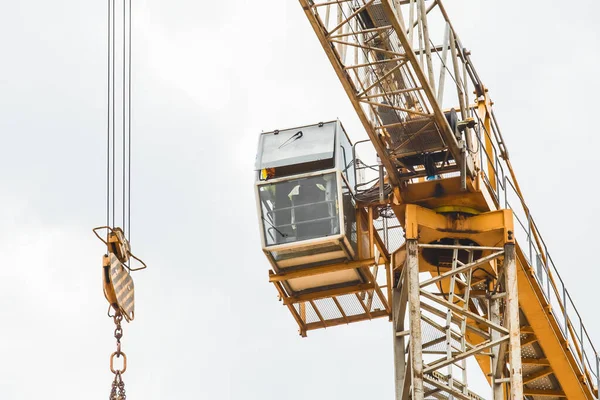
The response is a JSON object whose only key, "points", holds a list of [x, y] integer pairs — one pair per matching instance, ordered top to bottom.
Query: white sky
{"points": [[208, 77]]}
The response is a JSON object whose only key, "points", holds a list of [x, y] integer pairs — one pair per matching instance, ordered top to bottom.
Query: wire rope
{"points": [[124, 105], [113, 113], [108, 121], [129, 135], [123, 150]]}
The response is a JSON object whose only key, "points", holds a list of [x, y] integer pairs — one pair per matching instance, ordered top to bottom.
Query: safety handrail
{"points": [[553, 288]]}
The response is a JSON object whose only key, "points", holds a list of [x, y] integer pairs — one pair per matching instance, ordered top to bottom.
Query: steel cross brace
{"points": [[485, 326]]}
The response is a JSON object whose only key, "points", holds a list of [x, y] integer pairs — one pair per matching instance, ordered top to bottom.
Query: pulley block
{"points": [[118, 245], [117, 281], [118, 286]]}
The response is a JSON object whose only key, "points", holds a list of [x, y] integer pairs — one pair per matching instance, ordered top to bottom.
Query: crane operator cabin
{"points": [[304, 184]]}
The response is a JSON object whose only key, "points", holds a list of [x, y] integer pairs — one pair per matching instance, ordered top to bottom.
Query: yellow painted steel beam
{"points": [[484, 110], [418, 220], [373, 235], [312, 271], [363, 287], [297, 318], [347, 320], [526, 329], [547, 332], [531, 339], [535, 361], [537, 375], [543, 393]]}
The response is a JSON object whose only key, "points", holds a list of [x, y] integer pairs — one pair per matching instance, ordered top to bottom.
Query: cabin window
{"points": [[299, 209]]}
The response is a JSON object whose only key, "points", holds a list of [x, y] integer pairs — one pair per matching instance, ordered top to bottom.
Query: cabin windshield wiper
{"points": [[293, 138]]}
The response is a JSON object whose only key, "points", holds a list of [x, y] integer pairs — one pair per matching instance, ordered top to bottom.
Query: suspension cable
{"points": [[108, 80], [124, 104], [113, 112], [129, 134], [118, 157], [117, 261]]}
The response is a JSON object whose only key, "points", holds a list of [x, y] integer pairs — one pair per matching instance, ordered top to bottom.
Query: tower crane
{"points": [[436, 236]]}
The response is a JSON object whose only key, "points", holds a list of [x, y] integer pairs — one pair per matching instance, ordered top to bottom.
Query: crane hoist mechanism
{"points": [[434, 235], [117, 281]]}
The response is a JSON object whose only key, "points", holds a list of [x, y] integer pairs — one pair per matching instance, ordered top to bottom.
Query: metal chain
{"points": [[117, 318], [117, 391]]}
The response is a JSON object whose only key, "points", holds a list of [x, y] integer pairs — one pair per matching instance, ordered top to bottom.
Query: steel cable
{"points": [[124, 104], [113, 113], [108, 121], [111, 135], [129, 136]]}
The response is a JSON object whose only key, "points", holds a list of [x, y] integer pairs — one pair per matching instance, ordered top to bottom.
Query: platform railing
{"points": [[506, 196], [536, 252]]}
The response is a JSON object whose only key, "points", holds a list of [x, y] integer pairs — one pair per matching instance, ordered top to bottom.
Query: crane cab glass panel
{"points": [[304, 184]]}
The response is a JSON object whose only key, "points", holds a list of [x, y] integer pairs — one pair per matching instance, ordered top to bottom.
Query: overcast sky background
{"points": [[207, 78]]}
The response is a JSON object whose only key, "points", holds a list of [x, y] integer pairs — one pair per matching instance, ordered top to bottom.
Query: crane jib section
{"points": [[411, 82], [393, 97]]}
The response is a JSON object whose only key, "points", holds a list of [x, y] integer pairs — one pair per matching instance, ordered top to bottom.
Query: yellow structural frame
{"points": [[468, 206], [495, 228], [491, 229], [366, 263]]}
